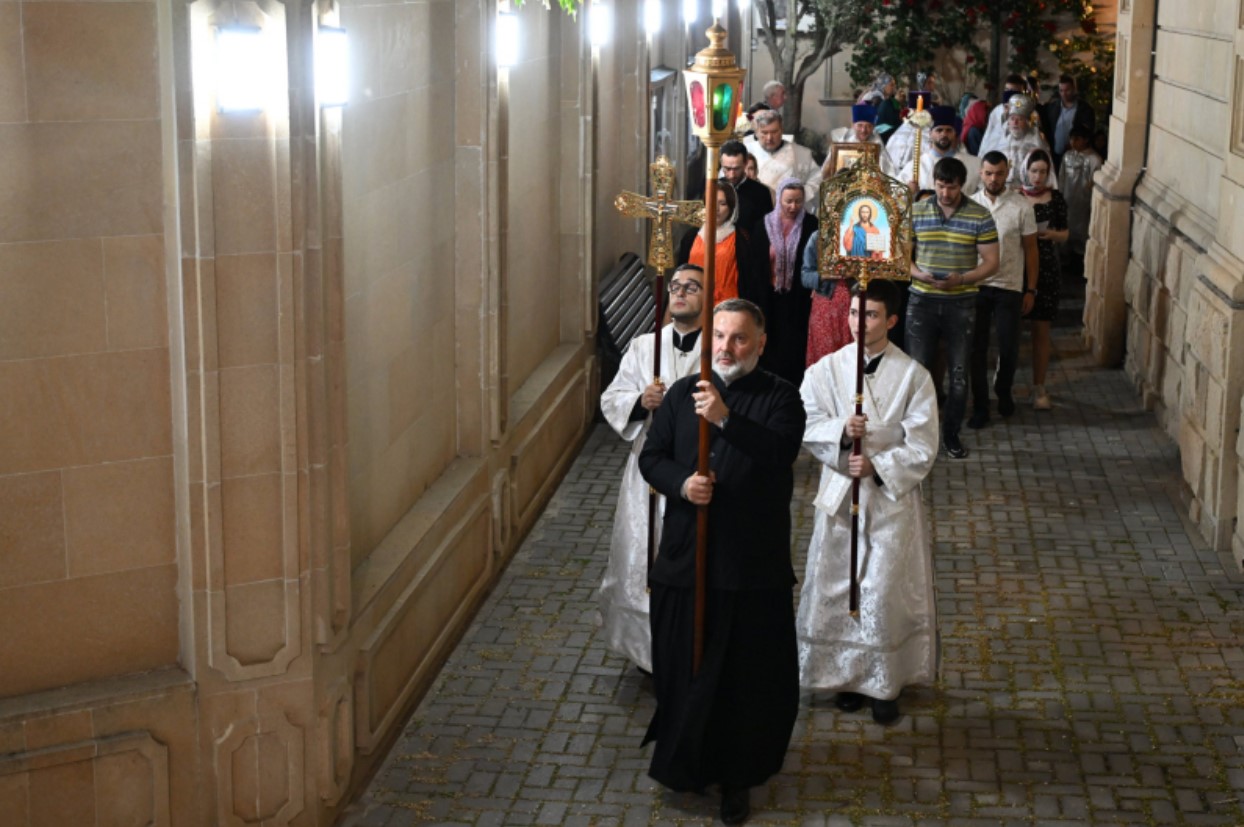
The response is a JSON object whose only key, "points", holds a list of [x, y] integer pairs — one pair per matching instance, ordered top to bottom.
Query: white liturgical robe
{"points": [[902, 147], [790, 160], [623, 613], [893, 641]]}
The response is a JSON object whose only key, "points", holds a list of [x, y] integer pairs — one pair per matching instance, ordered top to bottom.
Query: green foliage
{"points": [[571, 7], [906, 35], [1094, 74]]}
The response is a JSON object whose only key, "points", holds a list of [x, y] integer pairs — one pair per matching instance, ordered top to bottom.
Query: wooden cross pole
{"points": [[662, 211]]}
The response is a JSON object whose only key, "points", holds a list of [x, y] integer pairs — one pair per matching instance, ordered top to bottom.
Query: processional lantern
{"points": [[714, 89]]}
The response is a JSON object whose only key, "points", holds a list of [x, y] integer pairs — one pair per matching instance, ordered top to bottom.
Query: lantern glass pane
{"points": [[696, 97], [723, 106]]}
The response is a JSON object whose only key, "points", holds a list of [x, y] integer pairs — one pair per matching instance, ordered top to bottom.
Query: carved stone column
{"points": [[1108, 248]]}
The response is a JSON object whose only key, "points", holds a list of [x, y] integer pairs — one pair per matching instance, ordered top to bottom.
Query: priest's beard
{"points": [[731, 370]]}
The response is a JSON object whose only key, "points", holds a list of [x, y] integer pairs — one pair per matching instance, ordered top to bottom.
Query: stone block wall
{"points": [[1164, 263], [280, 390]]}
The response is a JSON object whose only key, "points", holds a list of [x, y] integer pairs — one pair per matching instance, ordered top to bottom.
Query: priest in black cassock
{"points": [[731, 723]]}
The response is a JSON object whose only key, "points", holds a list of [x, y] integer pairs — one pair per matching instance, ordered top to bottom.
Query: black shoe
{"points": [[1006, 404], [978, 420], [954, 448], [849, 701], [885, 712], [736, 805]]}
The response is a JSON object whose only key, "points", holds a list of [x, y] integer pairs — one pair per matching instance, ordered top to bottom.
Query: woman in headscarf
{"points": [[975, 121], [1051, 211], [739, 271], [789, 303]]}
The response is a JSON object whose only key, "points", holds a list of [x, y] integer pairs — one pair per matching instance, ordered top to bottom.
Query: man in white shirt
{"points": [[943, 143], [778, 158], [1008, 293]]}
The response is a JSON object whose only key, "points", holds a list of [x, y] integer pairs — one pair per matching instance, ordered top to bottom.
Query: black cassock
{"points": [[731, 724]]}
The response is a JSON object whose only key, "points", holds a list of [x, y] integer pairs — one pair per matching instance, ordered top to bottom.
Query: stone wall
{"points": [[1165, 264], [280, 390]]}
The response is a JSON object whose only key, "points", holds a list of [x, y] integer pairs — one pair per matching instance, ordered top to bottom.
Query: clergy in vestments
{"points": [[995, 124], [862, 129], [1019, 138], [942, 143], [901, 147], [778, 158], [627, 405], [893, 641], [731, 722]]}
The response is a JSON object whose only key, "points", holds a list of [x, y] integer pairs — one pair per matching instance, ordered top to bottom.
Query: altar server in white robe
{"points": [[627, 405], [893, 641]]}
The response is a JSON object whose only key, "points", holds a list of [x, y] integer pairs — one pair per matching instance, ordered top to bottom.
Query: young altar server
{"points": [[627, 405], [893, 641]]}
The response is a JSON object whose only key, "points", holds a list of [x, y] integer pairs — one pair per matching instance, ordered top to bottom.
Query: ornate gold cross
{"points": [[662, 211]]}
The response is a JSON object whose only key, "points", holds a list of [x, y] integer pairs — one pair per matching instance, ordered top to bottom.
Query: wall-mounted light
{"points": [[690, 11], [652, 17], [600, 24], [507, 40], [332, 66], [243, 82]]}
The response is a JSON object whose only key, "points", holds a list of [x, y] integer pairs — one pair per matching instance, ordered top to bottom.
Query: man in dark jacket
{"points": [[1063, 113], [755, 200], [731, 723]]}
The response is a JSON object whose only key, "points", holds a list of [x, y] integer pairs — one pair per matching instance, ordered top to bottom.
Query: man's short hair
{"points": [[1067, 79], [1016, 80], [771, 87], [766, 117], [1080, 132], [734, 149], [993, 157], [950, 171], [689, 266], [884, 291], [742, 306]]}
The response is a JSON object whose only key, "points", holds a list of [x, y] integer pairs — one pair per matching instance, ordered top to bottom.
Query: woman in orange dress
{"points": [[736, 274]]}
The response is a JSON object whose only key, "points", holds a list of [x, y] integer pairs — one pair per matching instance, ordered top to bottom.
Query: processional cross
{"points": [[662, 211]]}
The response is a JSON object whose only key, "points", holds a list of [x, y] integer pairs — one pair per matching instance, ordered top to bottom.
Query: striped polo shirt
{"points": [[948, 245]]}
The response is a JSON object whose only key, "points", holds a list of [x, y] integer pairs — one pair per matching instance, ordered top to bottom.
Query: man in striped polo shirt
{"points": [[956, 247]]}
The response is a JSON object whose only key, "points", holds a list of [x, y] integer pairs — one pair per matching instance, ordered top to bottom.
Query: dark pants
{"points": [[995, 309], [931, 321]]}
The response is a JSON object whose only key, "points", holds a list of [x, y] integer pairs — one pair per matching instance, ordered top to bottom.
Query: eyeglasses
{"points": [[687, 288]]}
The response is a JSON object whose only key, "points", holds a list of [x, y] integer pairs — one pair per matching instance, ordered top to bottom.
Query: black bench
{"points": [[626, 309]]}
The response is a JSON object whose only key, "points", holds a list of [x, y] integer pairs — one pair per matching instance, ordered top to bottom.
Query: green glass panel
{"points": [[723, 106]]}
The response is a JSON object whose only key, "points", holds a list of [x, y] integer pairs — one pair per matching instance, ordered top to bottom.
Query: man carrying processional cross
{"points": [[627, 405], [867, 624]]}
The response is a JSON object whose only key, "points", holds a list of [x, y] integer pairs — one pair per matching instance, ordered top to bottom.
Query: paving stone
{"points": [[1092, 672]]}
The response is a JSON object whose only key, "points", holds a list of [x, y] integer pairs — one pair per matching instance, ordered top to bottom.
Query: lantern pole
{"points": [[714, 86]]}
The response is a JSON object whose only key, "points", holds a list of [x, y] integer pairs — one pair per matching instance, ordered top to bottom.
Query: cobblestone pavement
{"points": [[1092, 666]]}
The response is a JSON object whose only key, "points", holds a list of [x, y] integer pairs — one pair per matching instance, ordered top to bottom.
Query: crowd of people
{"points": [[999, 198]]}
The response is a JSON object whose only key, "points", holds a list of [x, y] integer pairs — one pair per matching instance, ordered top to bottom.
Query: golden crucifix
{"points": [[662, 211]]}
